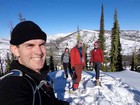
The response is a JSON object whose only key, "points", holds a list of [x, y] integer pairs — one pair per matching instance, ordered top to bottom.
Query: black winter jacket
{"points": [[18, 90]]}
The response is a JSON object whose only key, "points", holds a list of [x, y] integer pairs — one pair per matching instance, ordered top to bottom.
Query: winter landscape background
{"points": [[55, 16], [130, 39], [117, 88]]}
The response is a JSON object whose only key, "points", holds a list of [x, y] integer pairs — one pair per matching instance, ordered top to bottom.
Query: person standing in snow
{"points": [[77, 57], [97, 59], [65, 61], [24, 85]]}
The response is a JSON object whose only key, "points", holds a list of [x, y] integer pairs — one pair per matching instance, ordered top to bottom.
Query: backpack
{"points": [[34, 86]]}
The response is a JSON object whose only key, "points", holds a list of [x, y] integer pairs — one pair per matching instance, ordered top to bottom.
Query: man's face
{"points": [[80, 44], [96, 45], [66, 51], [32, 54]]}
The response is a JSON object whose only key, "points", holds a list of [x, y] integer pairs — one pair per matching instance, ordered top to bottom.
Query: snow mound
{"points": [[111, 92]]}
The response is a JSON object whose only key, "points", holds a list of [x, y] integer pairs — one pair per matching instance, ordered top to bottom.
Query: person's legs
{"points": [[94, 66], [65, 69], [97, 69], [70, 70], [78, 71], [74, 75]]}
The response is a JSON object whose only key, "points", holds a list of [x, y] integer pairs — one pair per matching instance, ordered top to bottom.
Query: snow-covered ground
{"points": [[129, 77], [119, 88]]}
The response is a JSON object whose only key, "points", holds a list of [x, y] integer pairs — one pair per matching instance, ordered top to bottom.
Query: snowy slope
{"points": [[57, 36], [129, 41], [4, 43], [4, 47], [127, 76], [112, 92]]}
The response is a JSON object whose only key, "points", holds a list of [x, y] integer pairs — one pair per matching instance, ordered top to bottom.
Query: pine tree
{"points": [[101, 34], [78, 36], [102, 38], [85, 46], [115, 52], [10, 57], [119, 58], [139, 59], [51, 61], [8, 62], [134, 63], [1, 66], [51, 66]]}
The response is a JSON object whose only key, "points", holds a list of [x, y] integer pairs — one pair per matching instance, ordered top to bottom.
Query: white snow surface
{"points": [[129, 77], [118, 88]]}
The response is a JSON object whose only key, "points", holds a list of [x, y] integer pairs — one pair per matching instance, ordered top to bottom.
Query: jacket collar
{"points": [[16, 65]]}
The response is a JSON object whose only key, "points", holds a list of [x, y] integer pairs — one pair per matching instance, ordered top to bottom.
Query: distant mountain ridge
{"points": [[130, 39]]}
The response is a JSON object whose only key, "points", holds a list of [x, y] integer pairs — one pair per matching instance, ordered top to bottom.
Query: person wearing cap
{"points": [[77, 57], [97, 59], [24, 85]]}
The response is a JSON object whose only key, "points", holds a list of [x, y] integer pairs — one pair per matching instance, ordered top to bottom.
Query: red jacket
{"points": [[97, 55], [75, 57]]}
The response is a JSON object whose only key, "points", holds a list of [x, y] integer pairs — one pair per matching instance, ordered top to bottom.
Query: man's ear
{"points": [[14, 50]]}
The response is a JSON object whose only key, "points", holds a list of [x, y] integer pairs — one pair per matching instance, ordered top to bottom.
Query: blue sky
{"points": [[63, 16]]}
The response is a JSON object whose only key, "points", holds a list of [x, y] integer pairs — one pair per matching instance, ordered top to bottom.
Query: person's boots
{"points": [[97, 82], [75, 86]]}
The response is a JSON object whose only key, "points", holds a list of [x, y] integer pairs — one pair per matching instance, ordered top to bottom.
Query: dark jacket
{"points": [[18, 90]]}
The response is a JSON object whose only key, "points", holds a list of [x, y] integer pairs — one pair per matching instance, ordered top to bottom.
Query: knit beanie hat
{"points": [[25, 31]]}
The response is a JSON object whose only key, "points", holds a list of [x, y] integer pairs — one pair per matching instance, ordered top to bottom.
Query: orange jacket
{"points": [[75, 57]]}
